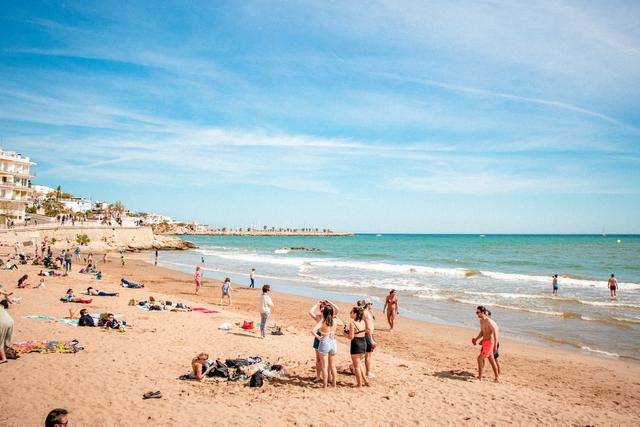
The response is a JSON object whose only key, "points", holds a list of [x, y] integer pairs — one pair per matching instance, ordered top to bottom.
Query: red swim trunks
{"points": [[487, 348]]}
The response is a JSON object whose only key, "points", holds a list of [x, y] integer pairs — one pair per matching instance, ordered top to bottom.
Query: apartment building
{"points": [[15, 187]]}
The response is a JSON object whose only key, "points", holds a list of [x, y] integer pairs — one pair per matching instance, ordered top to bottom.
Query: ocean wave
{"points": [[391, 268], [562, 281], [610, 304], [517, 308], [602, 352]]}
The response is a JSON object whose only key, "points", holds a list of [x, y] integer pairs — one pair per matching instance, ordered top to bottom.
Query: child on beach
{"points": [[122, 258], [198, 279], [555, 284], [226, 290], [326, 331], [490, 337]]}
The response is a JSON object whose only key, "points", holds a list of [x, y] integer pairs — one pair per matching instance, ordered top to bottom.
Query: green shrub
{"points": [[82, 239]]}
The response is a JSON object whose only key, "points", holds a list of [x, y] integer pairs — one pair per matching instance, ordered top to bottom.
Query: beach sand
{"points": [[423, 370]]}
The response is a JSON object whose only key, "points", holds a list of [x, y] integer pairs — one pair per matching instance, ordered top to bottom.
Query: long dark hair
{"points": [[22, 279], [359, 313], [327, 315]]}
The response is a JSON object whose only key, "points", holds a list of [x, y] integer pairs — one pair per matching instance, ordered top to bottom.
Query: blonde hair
{"points": [[202, 356]]}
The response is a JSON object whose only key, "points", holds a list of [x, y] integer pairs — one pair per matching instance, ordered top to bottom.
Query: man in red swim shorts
{"points": [[489, 334]]}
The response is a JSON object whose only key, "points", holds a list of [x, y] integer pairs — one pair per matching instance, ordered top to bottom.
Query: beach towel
{"points": [[204, 310], [40, 317], [47, 346]]}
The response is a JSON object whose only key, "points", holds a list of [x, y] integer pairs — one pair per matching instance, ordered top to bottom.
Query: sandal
{"points": [[152, 395]]}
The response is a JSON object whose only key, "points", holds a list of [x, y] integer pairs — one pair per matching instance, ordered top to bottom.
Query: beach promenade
{"points": [[423, 371]]}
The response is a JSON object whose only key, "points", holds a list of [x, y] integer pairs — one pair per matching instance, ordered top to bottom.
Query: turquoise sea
{"points": [[441, 278]]}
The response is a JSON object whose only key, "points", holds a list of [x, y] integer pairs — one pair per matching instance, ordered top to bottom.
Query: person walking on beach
{"points": [[77, 252], [122, 258], [67, 261], [155, 262], [252, 279], [198, 280], [555, 284], [613, 286], [226, 290], [392, 308], [265, 309], [316, 314], [369, 319], [325, 329], [356, 332], [489, 334], [496, 354]]}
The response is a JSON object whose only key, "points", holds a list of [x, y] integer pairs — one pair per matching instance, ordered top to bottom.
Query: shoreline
{"points": [[533, 339], [420, 365]]}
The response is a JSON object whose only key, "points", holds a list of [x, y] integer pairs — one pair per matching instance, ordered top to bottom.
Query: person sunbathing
{"points": [[49, 273], [22, 282], [127, 284], [95, 292], [71, 297], [85, 318], [112, 323], [201, 366]]}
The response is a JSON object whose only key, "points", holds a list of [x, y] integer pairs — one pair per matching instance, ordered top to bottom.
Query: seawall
{"points": [[101, 238]]}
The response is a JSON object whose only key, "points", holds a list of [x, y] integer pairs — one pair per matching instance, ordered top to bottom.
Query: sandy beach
{"points": [[424, 371]]}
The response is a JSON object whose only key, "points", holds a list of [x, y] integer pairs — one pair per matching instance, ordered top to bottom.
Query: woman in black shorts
{"points": [[356, 332]]}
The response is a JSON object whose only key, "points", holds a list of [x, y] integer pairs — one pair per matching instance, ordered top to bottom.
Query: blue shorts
{"points": [[327, 346]]}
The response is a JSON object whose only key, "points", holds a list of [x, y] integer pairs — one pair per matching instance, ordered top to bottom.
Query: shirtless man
{"points": [[613, 286], [393, 308], [369, 319], [490, 337]]}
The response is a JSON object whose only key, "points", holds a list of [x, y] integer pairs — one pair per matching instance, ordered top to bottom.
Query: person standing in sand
{"points": [[155, 262], [252, 279], [198, 280], [555, 284], [613, 286], [226, 290], [392, 308], [265, 309], [316, 314], [369, 319], [6, 328], [325, 329], [356, 332], [490, 337]]}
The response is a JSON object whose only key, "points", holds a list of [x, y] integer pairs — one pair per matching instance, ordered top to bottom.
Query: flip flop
{"points": [[152, 395]]}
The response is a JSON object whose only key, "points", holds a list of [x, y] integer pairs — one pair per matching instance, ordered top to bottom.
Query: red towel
{"points": [[204, 310]]}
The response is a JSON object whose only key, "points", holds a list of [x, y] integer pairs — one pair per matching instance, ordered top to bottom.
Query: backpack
{"points": [[220, 370], [256, 380]]}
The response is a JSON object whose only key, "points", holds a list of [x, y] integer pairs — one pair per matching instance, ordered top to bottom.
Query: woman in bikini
{"points": [[392, 308], [316, 314], [325, 330], [356, 331], [200, 365]]}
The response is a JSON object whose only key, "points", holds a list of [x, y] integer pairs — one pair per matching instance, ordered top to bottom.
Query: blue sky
{"points": [[452, 116]]}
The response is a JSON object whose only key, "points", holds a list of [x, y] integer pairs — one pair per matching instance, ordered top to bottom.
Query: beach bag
{"points": [[168, 303], [155, 308], [247, 326], [11, 353], [236, 363], [220, 370], [256, 379]]}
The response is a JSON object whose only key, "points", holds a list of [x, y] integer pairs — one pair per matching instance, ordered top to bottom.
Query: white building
{"points": [[15, 186], [41, 190], [77, 204], [153, 218]]}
